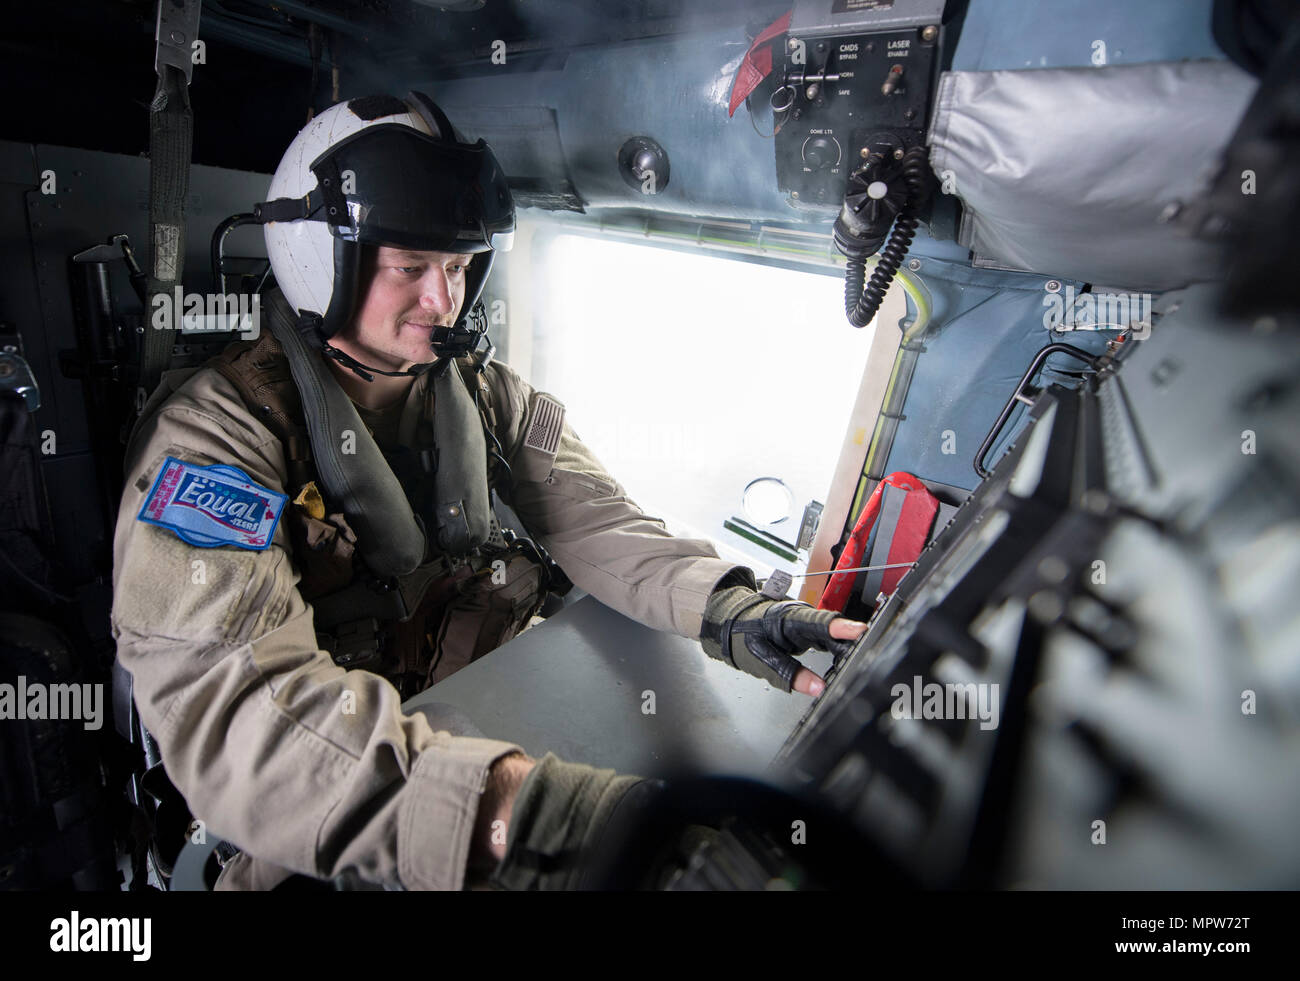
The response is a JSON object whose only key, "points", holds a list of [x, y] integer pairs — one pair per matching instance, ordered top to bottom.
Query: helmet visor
{"points": [[394, 185]]}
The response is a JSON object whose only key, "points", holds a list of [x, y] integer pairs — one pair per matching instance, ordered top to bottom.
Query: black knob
{"points": [[821, 152], [643, 164]]}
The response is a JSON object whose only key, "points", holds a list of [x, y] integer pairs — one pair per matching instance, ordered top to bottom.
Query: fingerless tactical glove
{"points": [[759, 635], [558, 821]]}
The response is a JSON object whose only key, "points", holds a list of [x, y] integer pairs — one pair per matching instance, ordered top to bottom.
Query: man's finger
{"points": [[843, 629], [809, 682]]}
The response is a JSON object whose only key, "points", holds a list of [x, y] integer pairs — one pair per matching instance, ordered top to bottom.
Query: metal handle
{"points": [[1018, 396]]}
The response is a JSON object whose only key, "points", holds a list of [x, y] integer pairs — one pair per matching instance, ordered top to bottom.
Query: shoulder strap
{"points": [[259, 370]]}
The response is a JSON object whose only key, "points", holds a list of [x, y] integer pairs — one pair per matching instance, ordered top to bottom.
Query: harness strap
{"points": [[260, 373], [475, 380]]}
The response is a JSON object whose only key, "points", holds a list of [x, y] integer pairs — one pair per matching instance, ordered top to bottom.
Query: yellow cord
{"points": [[920, 298]]}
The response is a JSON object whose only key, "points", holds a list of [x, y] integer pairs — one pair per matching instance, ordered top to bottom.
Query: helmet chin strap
{"points": [[455, 341], [367, 372]]}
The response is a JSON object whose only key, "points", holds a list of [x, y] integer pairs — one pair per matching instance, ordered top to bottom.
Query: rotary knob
{"points": [[820, 152]]}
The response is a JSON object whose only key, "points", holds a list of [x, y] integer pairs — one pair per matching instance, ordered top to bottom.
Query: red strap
{"points": [[757, 63], [914, 523], [837, 592]]}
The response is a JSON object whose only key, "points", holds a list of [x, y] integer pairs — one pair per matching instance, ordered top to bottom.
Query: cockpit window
{"points": [[693, 376]]}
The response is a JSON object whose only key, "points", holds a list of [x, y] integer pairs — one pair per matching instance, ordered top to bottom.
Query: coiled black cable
{"points": [[861, 304], [495, 449]]}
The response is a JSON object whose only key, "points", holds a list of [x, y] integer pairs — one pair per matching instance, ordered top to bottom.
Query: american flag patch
{"points": [[545, 425]]}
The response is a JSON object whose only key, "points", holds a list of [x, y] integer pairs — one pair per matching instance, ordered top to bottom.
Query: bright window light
{"points": [[692, 377]]}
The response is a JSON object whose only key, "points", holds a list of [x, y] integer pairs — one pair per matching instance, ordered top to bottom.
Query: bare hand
{"points": [[492, 823]]}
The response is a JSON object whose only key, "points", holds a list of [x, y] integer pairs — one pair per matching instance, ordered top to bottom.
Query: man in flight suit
{"points": [[245, 530]]}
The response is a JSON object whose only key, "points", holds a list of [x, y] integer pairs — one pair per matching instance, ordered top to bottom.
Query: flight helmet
{"points": [[380, 170]]}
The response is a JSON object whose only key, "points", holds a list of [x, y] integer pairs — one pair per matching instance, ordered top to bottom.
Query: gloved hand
{"points": [[758, 635], [558, 821]]}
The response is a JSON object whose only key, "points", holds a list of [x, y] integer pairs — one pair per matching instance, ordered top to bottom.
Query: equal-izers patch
{"points": [[213, 505]]}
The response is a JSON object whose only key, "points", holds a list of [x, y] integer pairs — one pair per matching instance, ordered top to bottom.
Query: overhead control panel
{"points": [[857, 76]]}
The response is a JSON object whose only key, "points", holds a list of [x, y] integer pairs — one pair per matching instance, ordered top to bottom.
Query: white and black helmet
{"points": [[381, 171]]}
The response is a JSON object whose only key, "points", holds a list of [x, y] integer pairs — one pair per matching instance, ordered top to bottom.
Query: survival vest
{"points": [[414, 629]]}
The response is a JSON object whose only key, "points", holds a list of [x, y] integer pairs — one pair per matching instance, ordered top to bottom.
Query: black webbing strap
{"points": [[171, 128], [171, 132], [286, 209]]}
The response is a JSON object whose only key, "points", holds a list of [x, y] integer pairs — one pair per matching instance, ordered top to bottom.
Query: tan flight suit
{"points": [[251, 716]]}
